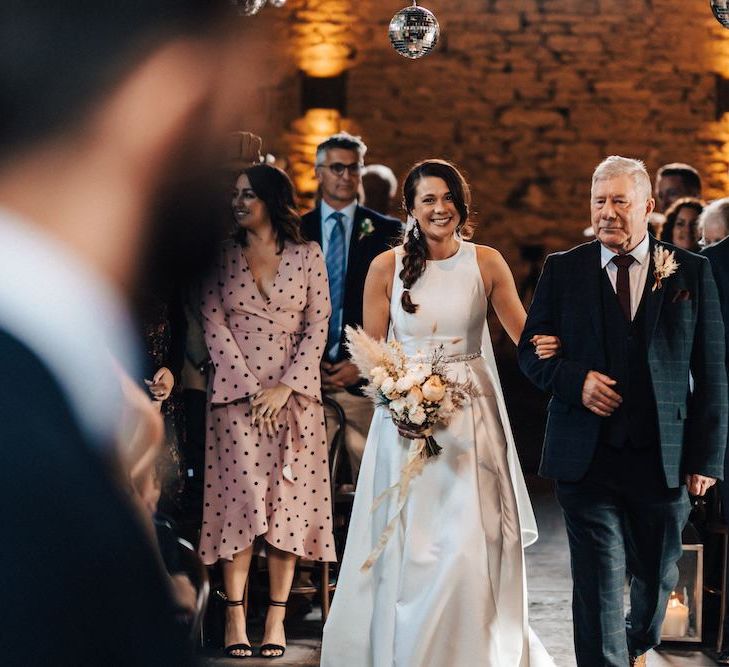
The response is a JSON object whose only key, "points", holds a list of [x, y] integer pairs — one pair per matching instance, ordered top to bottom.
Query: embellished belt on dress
{"points": [[456, 358]]}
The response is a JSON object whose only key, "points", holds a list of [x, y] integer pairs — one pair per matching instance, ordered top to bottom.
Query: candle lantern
{"points": [[683, 620]]}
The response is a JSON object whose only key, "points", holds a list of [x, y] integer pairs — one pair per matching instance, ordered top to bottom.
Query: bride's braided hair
{"points": [[415, 247]]}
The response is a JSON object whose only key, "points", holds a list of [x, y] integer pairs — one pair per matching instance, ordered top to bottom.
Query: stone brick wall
{"points": [[525, 95]]}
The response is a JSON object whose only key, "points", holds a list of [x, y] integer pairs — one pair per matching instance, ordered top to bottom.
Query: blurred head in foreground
{"points": [[106, 138]]}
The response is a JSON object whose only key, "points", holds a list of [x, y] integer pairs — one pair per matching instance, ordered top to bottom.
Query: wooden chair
{"points": [[341, 508], [326, 588]]}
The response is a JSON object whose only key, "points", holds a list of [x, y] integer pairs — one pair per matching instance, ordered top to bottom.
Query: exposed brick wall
{"points": [[525, 95]]}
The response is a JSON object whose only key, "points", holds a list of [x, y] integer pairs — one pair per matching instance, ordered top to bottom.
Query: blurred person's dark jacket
{"points": [[718, 256], [56, 490]]}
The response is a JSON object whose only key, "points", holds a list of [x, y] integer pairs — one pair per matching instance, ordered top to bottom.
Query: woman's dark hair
{"points": [[275, 189], [673, 211], [415, 246]]}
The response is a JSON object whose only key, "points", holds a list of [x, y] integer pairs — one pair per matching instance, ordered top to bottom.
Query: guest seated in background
{"points": [[674, 181], [379, 185], [714, 222], [682, 223], [351, 236], [265, 310], [166, 538]]}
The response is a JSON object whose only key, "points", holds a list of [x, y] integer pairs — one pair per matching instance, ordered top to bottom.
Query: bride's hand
{"points": [[546, 347]]}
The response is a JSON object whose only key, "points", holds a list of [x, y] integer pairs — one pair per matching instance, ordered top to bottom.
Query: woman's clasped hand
{"points": [[266, 404]]}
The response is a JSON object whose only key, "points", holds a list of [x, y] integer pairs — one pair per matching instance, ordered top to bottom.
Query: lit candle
{"points": [[676, 623]]}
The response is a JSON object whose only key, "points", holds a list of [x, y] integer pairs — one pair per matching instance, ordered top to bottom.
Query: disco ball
{"points": [[277, 3], [248, 7], [720, 8], [414, 32]]}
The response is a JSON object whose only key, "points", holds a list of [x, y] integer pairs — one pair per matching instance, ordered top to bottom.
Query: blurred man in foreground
{"points": [[103, 135]]}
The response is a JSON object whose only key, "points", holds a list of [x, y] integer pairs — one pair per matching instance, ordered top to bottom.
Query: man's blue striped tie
{"points": [[335, 268]]}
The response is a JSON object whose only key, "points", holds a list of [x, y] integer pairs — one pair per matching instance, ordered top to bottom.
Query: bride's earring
{"points": [[416, 231]]}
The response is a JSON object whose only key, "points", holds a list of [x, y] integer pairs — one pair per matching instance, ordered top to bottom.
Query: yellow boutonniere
{"points": [[665, 265]]}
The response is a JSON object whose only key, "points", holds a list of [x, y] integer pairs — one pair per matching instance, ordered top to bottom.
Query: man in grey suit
{"points": [[626, 435]]}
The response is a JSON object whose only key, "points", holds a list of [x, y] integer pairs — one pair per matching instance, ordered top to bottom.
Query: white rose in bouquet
{"points": [[421, 372], [404, 384], [388, 388], [434, 389], [414, 397], [398, 406], [416, 415]]}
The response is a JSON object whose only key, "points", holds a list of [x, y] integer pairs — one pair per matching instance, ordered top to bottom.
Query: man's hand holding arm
{"points": [[340, 375]]}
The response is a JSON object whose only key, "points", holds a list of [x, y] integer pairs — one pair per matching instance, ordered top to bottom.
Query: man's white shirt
{"points": [[638, 270], [71, 317]]}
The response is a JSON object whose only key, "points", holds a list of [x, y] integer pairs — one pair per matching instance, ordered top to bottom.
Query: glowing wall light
{"points": [[322, 37], [322, 42], [325, 59], [306, 133]]}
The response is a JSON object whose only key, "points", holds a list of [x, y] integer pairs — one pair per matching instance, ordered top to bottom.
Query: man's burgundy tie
{"points": [[622, 287]]}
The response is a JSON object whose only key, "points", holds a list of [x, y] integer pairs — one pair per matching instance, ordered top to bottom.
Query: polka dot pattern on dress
{"points": [[256, 484]]}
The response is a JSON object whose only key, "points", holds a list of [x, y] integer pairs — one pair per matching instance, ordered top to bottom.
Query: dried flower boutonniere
{"points": [[365, 228], [665, 264]]}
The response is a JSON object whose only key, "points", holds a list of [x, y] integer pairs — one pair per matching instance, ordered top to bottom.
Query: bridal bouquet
{"points": [[416, 390], [419, 396]]}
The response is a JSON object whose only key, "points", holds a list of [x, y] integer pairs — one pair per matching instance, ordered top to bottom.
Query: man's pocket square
{"points": [[681, 295]]}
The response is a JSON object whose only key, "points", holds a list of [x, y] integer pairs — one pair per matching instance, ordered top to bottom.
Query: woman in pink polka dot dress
{"points": [[266, 312]]}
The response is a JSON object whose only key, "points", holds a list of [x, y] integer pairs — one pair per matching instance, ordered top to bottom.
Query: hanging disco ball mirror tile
{"points": [[248, 7], [720, 8], [414, 31]]}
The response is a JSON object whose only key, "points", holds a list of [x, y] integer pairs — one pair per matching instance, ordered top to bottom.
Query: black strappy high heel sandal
{"points": [[274, 647], [229, 650]]}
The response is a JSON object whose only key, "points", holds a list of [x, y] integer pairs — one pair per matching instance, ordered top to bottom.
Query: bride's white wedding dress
{"points": [[449, 589]]}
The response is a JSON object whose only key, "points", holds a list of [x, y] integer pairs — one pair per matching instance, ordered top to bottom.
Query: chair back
{"points": [[336, 448], [196, 570]]}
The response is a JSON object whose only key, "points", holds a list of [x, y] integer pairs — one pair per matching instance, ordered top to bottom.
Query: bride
{"points": [[449, 588]]}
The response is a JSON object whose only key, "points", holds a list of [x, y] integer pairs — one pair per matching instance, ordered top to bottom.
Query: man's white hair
{"points": [[615, 165], [385, 173], [717, 211]]}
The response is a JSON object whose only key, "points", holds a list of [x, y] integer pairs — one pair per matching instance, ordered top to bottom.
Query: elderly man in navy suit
{"points": [[351, 236], [627, 436]]}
